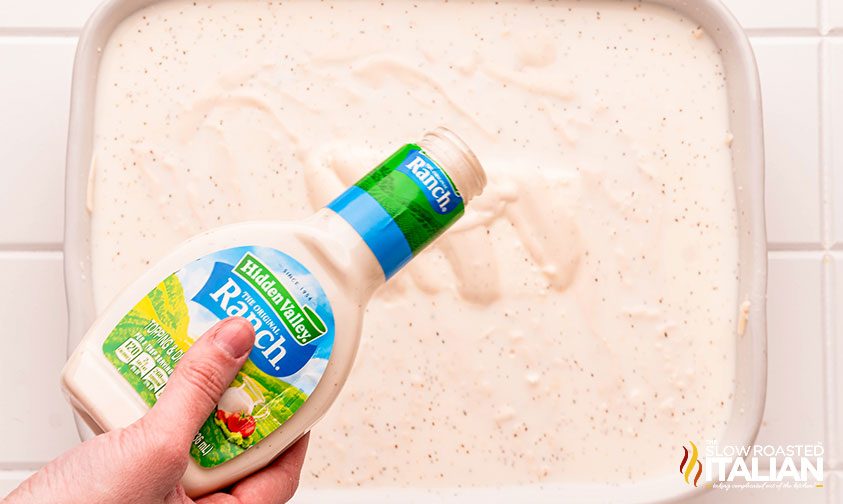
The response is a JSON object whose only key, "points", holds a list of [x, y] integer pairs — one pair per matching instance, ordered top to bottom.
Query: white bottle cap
{"points": [[453, 155]]}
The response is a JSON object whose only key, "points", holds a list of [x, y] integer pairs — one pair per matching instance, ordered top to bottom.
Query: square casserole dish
{"points": [[748, 169]]}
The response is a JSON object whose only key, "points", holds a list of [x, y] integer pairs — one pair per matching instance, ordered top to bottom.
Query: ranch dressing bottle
{"points": [[303, 285]]}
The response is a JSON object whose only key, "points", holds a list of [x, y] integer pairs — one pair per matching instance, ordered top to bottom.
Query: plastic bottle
{"points": [[303, 285]]}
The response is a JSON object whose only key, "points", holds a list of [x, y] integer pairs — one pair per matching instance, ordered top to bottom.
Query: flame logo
{"points": [[686, 468]]}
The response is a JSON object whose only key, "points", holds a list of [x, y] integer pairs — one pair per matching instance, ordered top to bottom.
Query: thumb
{"points": [[200, 378]]}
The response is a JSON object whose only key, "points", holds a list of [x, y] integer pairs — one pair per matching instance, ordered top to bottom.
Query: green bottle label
{"points": [[401, 206]]}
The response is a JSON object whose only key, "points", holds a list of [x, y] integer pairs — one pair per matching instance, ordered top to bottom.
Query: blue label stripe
{"points": [[376, 227], [295, 355]]}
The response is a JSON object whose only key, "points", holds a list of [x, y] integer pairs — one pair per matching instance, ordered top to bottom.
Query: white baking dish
{"points": [[748, 168]]}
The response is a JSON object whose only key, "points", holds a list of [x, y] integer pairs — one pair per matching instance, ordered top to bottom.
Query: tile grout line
{"points": [[821, 18], [39, 31], [824, 145], [834, 242], [31, 247], [794, 247], [773, 251], [30, 254], [827, 279], [832, 404], [21, 467]]}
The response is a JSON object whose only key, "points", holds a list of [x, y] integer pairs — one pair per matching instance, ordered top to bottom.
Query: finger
{"points": [[200, 378], [277, 482], [219, 498]]}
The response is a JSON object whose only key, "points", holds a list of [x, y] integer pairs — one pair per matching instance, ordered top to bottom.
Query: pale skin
{"points": [[144, 462]]}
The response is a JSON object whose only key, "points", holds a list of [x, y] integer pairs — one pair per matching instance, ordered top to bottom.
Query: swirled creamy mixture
{"points": [[577, 325]]}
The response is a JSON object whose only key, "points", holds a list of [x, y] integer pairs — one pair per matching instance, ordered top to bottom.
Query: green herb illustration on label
{"points": [[294, 335]]}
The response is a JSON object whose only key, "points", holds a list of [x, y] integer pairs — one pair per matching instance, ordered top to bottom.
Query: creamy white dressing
{"points": [[578, 324]]}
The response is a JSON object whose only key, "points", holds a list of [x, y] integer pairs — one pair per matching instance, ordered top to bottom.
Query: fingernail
{"points": [[235, 336]]}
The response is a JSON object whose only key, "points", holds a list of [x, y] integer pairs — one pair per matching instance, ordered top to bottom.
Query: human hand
{"points": [[144, 462]]}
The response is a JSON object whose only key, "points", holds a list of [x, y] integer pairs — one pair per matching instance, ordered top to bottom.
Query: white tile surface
{"points": [[46, 13], [774, 13], [73, 14], [834, 15], [834, 53], [790, 90], [34, 106], [33, 118], [835, 343], [795, 376], [39, 426], [9, 480], [835, 486]]}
